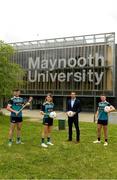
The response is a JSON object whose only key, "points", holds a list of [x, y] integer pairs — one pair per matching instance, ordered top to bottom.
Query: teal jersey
{"points": [[16, 104], [47, 108], [102, 115]]}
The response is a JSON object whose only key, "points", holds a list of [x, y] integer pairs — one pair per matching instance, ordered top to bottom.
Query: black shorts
{"points": [[16, 119], [48, 121], [103, 122]]}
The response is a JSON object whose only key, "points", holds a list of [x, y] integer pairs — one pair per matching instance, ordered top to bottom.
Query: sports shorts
{"points": [[16, 119], [48, 121], [103, 122]]}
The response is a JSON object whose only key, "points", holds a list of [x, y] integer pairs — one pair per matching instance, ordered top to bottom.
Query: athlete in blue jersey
{"points": [[14, 105], [47, 107], [102, 117]]}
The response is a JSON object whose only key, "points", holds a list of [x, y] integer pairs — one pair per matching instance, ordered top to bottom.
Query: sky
{"points": [[27, 20]]}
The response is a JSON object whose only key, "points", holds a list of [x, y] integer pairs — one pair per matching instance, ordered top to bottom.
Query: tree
{"points": [[11, 74]]}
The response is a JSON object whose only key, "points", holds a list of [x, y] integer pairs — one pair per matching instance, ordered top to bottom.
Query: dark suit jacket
{"points": [[76, 107]]}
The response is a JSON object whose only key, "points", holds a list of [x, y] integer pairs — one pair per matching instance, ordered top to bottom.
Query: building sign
{"points": [[41, 70]]}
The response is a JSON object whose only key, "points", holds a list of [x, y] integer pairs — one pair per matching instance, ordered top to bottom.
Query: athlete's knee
{"points": [[18, 128], [11, 131]]}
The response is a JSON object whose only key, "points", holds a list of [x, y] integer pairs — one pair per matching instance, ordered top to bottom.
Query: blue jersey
{"points": [[16, 104], [47, 108], [102, 115]]}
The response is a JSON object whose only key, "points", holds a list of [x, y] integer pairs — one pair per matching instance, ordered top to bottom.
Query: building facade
{"points": [[84, 64]]}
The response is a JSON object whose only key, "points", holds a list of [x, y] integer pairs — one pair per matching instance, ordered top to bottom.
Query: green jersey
{"points": [[16, 104], [47, 108], [102, 115]]}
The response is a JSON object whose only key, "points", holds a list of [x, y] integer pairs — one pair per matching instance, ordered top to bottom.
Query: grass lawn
{"points": [[64, 160]]}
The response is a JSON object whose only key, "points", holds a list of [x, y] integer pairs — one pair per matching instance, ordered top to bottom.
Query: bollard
{"points": [[61, 124]]}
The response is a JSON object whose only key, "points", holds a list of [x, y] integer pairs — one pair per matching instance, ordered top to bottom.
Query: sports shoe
{"points": [[69, 140], [19, 142], [96, 142], [49, 143], [105, 143], [10, 144], [44, 145]]}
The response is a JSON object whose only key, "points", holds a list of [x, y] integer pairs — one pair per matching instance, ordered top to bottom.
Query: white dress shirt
{"points": [[72, 102]]}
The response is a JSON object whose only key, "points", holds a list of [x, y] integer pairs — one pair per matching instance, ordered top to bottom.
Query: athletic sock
{"points": [[18, 138], [48, 139], [98, 139], [42, 140], [106, 140]]}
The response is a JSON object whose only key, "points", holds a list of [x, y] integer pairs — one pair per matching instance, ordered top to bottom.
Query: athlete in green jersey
{"points": [[14, 105], [47, 107], [102, 117]]}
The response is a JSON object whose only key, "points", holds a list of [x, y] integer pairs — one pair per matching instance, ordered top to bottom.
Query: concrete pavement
{"points": [[34, 115]]}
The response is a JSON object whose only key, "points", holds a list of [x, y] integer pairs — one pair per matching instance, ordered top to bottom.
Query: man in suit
{"points": [[74, 105]]}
